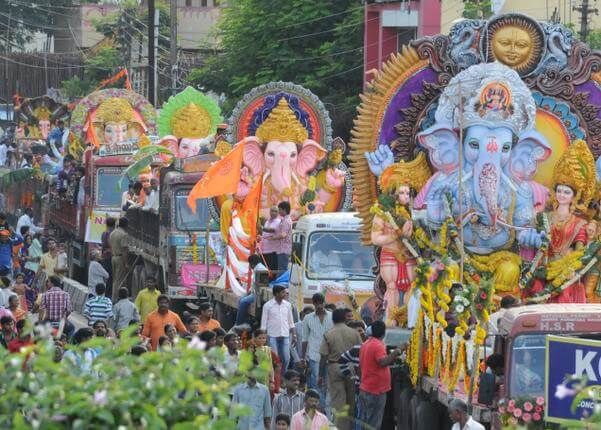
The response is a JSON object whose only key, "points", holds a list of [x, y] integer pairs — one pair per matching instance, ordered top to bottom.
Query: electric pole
{"points": [[585, 9], [173, 46], [151, 54]]}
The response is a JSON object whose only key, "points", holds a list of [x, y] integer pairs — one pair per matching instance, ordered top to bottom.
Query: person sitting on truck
{"points": [[152, 198], [254, 261], [458, 414]]}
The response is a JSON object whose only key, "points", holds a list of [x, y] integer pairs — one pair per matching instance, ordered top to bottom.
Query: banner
{"points": [[96, 225], [580, 358]]}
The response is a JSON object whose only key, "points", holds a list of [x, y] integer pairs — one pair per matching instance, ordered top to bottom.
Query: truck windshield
{"points": [[110, 185], [187, 220], [338, 255], [528, 366]]}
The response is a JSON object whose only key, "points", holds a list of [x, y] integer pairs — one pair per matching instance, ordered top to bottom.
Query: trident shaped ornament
{"points": [[492, 145]]}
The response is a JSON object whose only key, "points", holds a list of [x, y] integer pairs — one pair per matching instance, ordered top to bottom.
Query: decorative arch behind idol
{"points": [[289, 145]]}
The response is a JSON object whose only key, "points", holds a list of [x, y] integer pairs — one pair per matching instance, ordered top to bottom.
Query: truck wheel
{"points": [[404, 414], [427, 417]]}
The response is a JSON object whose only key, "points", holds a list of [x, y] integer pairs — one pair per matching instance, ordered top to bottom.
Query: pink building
{"points": [[391, 24]]}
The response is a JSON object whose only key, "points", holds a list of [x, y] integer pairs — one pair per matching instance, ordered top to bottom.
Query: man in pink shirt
{"points": [[284, 234], [270, 245], [309, 417]]}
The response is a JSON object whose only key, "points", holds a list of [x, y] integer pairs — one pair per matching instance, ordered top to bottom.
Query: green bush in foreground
{"points": [[186, 388]]}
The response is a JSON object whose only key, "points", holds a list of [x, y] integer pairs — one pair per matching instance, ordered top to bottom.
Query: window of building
{"points": [[188, 3], [203, 3]]}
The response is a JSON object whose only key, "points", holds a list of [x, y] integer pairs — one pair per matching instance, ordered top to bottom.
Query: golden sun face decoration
{"points": [[516, 41]]}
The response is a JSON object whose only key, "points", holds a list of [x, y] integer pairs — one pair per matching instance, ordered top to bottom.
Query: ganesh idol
{"points": [[40, 113], [108, 119], [188, 123], [288, 143]]}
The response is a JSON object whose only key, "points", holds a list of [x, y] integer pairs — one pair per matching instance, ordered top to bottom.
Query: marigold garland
{"points": [[413, 350]]}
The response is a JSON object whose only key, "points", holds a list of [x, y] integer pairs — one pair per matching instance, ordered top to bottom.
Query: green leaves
{"points": [[318, 45], [157, 390]]}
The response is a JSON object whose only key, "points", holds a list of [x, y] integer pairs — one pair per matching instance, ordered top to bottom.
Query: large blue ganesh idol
{"points": [[485, 152]]}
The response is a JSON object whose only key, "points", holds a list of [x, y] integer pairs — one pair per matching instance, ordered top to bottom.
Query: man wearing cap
{"points": [[7, 241]]}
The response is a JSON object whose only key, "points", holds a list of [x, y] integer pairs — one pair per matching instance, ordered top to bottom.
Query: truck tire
{"points": [[404, 414], [427, 416]]}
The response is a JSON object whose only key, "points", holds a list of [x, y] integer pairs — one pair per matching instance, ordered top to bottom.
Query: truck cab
{"points": [[172, 244], [328, 257], [521, 341]]}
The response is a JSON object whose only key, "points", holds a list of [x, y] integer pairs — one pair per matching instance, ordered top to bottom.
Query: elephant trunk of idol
{"points": [[281, 174], [486, 181]]}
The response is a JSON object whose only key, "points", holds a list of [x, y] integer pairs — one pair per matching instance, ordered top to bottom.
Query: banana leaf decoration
{"points": [[144, 158], [15, 176]]}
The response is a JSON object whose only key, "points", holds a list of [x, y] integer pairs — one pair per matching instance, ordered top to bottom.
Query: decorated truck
{"points": [[281, 149], [474, 168], [179, 247]]}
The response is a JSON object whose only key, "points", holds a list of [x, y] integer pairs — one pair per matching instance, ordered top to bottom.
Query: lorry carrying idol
{"points": [[473, 164]]}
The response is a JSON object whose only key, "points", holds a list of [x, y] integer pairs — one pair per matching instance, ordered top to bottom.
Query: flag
{"points": [[221, 178], [251, 208]]}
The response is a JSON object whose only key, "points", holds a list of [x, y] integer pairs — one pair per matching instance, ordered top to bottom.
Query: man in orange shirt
{"points": [[207, 322], [154, 327]]}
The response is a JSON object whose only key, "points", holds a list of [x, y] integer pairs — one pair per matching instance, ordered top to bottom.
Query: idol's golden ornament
{"points": [[515, 41], [114, 109], [42, 113], [191, 121], [282, 125], [222, 148], [576, 169], [413, 174]]}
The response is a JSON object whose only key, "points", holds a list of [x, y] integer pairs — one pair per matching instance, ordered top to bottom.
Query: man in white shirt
{"points": [[152, 199], [26, 220], [507, 302], [277, 320], [315, 325], [459, 415]]}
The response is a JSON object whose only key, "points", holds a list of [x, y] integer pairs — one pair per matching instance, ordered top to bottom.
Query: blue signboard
{"points": [[579, 358]]}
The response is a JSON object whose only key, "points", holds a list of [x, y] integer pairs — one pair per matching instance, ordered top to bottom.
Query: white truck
{"points": [[328, 257]]}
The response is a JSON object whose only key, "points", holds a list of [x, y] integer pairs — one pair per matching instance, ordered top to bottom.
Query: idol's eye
{"points": [[474, 144], [506, 147]]}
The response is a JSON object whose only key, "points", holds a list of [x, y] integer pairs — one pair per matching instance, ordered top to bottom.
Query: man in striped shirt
{"points": [[98, 308], [349, 360], [290, 401]]}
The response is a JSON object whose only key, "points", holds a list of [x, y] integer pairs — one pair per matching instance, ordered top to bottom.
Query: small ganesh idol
{"points": [[573, 189], [391, 224]]}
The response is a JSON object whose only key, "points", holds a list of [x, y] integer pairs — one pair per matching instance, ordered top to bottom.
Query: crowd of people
{"points": [[324, 367]]}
